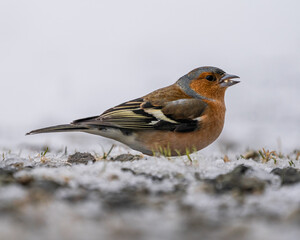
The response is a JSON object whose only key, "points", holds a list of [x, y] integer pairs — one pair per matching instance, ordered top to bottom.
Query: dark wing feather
{"points": [[184, 109], [139, 114], [128, 115], [179, 115]]}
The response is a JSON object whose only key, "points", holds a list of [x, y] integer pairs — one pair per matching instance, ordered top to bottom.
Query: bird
{"points": [[176, 120]]}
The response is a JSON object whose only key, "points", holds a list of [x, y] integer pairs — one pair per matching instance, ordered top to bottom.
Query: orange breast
{"points": [[176, 143]]}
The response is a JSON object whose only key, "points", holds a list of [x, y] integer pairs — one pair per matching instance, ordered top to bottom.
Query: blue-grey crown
{"points": [[198, 71], [184, 81]]}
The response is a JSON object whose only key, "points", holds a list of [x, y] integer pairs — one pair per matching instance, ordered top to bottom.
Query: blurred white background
{"points": [[63, 60]]}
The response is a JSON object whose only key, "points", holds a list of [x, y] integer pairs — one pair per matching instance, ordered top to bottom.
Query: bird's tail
{"points": [[60, 128]]}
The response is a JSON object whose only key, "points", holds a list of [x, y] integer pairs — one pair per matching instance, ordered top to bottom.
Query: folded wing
{"points": [[180, 115]]}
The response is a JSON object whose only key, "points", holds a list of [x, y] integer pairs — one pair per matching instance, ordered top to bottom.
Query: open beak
{"points": [[226, 80]]}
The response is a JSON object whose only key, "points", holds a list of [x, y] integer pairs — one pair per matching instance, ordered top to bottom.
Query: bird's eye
{"points": [[210, 78]]}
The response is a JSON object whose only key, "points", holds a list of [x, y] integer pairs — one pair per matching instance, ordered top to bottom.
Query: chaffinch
{"points": [[175, 120]]}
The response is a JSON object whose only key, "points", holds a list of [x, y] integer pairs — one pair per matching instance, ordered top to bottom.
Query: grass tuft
{"points": [[187, 153], [43, 154], [105, 155], [267, 155], [291, 163]]}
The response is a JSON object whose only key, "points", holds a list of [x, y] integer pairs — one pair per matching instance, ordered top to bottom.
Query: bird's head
{"points": [[206, 82]]}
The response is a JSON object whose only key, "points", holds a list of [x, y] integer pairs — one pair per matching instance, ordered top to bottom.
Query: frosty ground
{"points": [[55, 194]]}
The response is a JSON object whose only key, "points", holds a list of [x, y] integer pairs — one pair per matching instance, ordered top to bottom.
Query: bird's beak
{"points": [[226, 81]]}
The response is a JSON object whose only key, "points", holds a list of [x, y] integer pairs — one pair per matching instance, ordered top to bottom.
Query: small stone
{"points": [[251, 155], [126, 157], [81, 158], [146, 175], [288, 175], [6, 176], [197, 176], [113, 177], [235, 181], [45, 185], [130, 197]]}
